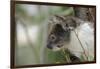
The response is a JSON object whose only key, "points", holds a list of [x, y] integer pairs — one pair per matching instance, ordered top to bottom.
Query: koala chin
{"points": [[59, 38]]}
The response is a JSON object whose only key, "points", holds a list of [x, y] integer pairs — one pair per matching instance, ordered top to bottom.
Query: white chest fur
{"points": [[86, 37]]}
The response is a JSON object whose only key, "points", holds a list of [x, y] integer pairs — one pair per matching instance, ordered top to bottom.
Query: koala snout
{"points": [[49, 46], [54, 46]]}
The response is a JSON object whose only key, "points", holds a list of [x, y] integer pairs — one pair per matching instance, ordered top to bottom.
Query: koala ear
{"points": [[59, 17]]}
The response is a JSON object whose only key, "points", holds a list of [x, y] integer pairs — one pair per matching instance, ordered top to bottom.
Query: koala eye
{"points": [[52, 37]]}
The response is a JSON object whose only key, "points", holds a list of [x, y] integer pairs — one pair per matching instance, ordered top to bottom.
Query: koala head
{"points": [[61, 30], [57, 37]]}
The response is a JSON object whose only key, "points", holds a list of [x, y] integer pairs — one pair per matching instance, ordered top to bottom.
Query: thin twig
{"points": [[81, 44]]}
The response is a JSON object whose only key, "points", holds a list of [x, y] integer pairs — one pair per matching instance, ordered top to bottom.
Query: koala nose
{"points": [[49, 46]]}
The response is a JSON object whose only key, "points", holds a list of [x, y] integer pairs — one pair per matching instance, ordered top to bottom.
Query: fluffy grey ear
{"points": [[56, 19], [71, 23]]}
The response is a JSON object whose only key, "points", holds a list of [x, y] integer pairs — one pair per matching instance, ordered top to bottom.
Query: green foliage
{"points": [[61, 10], [55, 57]]}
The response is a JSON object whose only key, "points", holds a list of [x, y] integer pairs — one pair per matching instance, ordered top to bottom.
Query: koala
{"points": [[61, 35]]}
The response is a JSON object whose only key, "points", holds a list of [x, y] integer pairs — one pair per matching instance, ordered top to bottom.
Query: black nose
{"points": [[49, 46]]}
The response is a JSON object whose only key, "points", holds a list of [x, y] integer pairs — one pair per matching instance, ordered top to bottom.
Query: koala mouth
{"points": [[55, 48]]}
